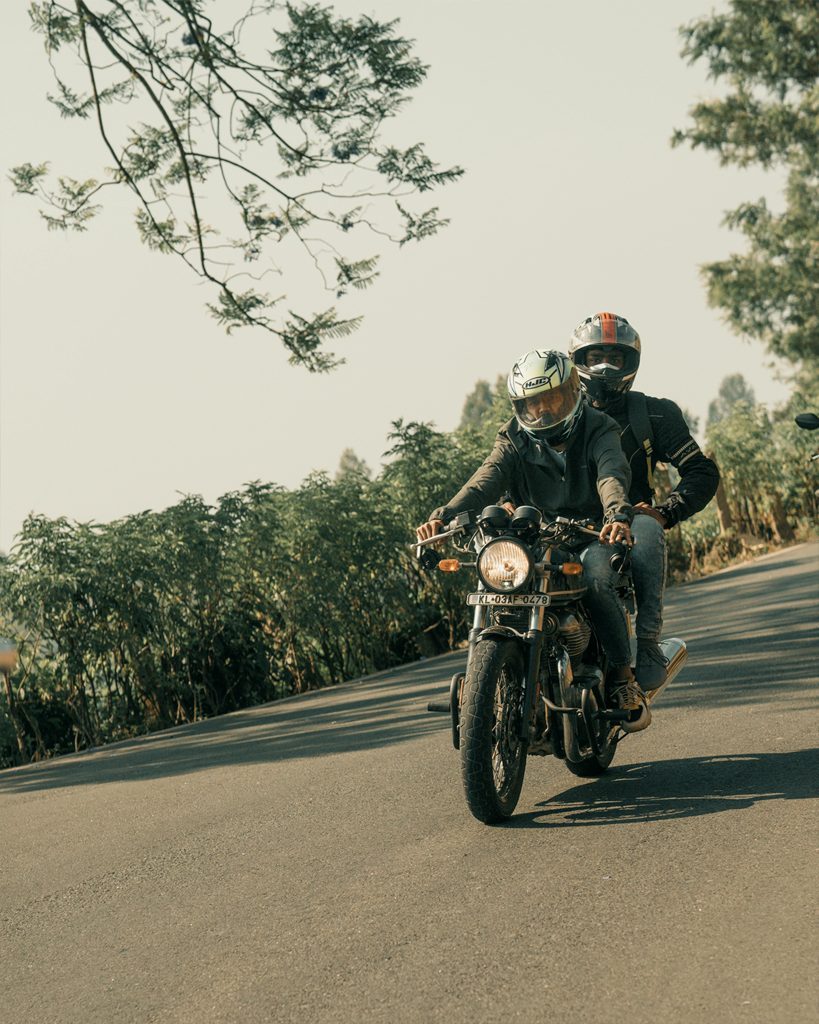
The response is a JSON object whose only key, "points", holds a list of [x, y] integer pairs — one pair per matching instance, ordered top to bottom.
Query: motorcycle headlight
{"points": [[504, 565]]}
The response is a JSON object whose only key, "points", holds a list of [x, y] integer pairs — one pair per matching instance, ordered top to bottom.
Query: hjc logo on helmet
{"points": [[553, 377]]}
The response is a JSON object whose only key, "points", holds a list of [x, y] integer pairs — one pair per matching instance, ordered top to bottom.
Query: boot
{"points": [[625, 694]]}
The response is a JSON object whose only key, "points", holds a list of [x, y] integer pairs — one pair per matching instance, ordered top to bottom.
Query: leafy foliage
{"points": [[767, 53], [269, 128], [734, 388], [485, 411], [691, 421], [764, 459], [350, 463], [168, 617]]}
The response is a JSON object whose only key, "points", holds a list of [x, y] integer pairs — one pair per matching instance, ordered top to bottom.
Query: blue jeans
{"points": [[648, 566], [605, 607]]}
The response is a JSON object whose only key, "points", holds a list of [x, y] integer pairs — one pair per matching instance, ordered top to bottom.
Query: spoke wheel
{"points": [[493, 756]]}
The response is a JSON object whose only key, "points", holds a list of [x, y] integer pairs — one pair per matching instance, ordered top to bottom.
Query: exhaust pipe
{"points": [[676, 653]]}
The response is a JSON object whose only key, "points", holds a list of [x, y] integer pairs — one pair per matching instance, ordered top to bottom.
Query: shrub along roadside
{"points": [[167, 617]]}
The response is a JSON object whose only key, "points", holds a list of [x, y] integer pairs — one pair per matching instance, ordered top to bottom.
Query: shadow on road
{"points": [[763, 566], [752, 646], [737, 655], [339, 720], [683, 788]]}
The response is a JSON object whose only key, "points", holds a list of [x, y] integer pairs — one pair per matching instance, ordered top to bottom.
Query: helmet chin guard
{"points": [[603, 391]]}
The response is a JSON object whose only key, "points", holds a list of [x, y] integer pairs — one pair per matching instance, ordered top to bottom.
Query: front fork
{"points": [[533, 638]]}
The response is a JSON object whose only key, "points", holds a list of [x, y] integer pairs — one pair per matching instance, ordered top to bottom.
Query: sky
{"points": [[119, 393]]}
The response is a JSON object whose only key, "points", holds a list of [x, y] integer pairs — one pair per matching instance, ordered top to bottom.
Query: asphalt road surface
{"points": [[314, 861]]}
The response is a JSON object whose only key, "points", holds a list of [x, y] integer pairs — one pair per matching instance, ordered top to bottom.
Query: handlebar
{"points": [[559, 521], [577, 525], [436, 538], [620, 559]]}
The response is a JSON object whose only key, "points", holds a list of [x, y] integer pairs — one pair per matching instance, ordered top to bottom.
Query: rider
{"points": [[605, 348], [564, 458]]}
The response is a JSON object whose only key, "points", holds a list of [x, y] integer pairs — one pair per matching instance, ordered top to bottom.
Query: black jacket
{"points": [[672, 443], [593, 483]]}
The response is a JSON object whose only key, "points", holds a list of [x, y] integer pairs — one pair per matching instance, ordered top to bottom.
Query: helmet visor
{"points": [[595, 358], [607, 363], [546, 409]]}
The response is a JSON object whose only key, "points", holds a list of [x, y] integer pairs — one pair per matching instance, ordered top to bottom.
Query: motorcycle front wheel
{"points": [[493, 756]]}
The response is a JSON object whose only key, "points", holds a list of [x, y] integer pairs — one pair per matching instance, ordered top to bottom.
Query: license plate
{"points": [[515, 600]]}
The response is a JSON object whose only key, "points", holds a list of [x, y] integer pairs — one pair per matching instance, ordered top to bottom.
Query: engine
{"points": [[574, 633]]}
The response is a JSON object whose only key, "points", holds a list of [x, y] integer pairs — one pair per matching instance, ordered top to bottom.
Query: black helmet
{"points": [[604, 381], [545, 392]]}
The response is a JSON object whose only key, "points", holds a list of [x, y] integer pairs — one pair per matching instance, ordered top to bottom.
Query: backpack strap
{"points": [[640, 424]]}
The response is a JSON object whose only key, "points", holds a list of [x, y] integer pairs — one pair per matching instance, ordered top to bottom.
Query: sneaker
{"points": [[652, 665], [629, 697]]}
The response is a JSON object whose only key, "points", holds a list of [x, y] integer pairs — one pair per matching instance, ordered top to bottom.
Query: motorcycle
{"points": [[535, 679]]}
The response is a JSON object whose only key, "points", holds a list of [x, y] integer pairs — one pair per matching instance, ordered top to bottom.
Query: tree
{"points": [[767, 52], [269, 128], [734, 388], [477, 405], [485, 410], [691, 421], [351, 464], [754, 468]]}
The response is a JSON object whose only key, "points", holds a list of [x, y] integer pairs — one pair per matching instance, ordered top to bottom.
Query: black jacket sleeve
{"points": [[612, 470], [699, 476]]}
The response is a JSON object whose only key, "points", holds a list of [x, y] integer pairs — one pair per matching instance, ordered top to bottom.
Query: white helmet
{"points": [[545, 391]]}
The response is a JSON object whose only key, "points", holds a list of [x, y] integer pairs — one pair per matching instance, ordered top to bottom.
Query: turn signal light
{"points": [[449, 565], [571, 568]]}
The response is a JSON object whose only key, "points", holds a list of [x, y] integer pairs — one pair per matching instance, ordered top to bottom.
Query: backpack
{"points": [[640, 423]]}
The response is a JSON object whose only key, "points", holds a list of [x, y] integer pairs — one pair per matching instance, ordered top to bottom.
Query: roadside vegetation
{"points": [[168, 617]]}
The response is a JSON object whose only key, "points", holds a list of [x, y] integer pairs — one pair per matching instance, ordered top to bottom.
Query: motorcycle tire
{"points": [[493, 756]]}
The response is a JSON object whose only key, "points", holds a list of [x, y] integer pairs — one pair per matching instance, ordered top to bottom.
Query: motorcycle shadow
{"points": [[682, 788]]}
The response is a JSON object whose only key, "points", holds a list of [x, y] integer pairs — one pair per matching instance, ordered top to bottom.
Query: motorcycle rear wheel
{"points": [[493, 756], [593, 766]]}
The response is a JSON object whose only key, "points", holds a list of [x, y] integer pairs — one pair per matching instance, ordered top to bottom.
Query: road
{"points": [[313, 860]]}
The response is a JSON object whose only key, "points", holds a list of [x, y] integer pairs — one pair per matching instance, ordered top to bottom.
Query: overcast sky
{"points": [[118, 392]]}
